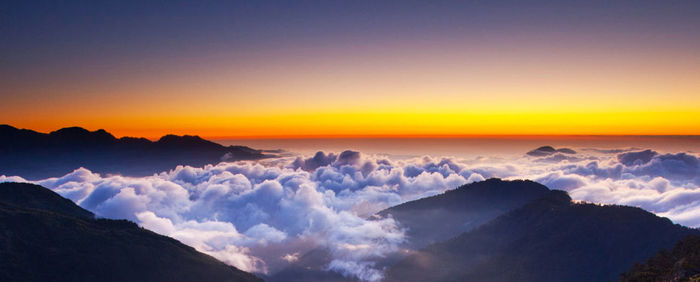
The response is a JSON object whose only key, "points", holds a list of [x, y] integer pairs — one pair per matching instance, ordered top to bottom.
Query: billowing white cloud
{"points": [[666, 184], [243, 212], [260, 216]]}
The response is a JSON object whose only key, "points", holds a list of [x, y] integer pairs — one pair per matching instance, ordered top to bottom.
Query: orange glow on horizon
{"points": [[454, 89], [392, 125]]}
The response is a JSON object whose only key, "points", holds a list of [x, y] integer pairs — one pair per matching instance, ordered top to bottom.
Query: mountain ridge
{"points": [[35, 155], [464, 207], [549, 239], [40, 241], [681, 263]]}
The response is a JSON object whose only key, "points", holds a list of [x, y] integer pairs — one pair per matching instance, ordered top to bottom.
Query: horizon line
{"points": [[383, 136], [443, 136]]}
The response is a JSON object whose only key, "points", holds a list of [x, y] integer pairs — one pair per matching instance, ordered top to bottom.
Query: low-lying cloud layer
{"points": [[260, 216]]}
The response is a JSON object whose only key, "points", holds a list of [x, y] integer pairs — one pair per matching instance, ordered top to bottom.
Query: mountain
{"points": [[549, 150], [35, 155], [35, 197], [438, 218], [430, 220], [44, 237], [549, 239], [682, 263]]}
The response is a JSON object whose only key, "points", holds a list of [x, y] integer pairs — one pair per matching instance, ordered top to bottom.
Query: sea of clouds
{"points": [[261, 216]]}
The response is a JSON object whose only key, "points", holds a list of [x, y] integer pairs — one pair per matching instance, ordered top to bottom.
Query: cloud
{"points": [[555, 158], [636, 158], [318, 160], [679, 166], [4, 178], [558, 181], [666, 184], [241, 212], [260, 216], [291, 257], [363, 270]]}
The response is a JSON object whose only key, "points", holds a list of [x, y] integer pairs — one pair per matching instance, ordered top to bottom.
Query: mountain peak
{"points": [[7, 127], [71, 130], [79, 135], [183, 138], [187, 141], [549, 150], [502, 188], [30, 196], [554, 198], [462, 209]]}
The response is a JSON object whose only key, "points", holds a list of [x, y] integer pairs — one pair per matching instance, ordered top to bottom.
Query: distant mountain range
{"points": [[35, 155], [498, 230], [44, 237]]}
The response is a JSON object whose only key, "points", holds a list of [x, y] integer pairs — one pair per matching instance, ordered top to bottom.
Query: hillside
{"points": [[35, 155], [461, 209], [44, 237], [549, 239], [682, 263]]}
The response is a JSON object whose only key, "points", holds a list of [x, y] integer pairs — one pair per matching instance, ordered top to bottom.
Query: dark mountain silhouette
{"points": [[549, 150], [35, 155], [29, 196], [438, 218], [429, 220], [44, 237], [549, 239], [682, 263]]}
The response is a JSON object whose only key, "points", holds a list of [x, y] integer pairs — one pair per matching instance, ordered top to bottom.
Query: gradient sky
{"points": [[349, 68]]}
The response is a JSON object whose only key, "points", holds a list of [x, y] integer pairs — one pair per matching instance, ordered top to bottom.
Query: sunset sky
{"points": [[352, 68]]}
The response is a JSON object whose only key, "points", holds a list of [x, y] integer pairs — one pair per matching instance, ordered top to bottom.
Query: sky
{"points": [[279, 69], [296, 72]]}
